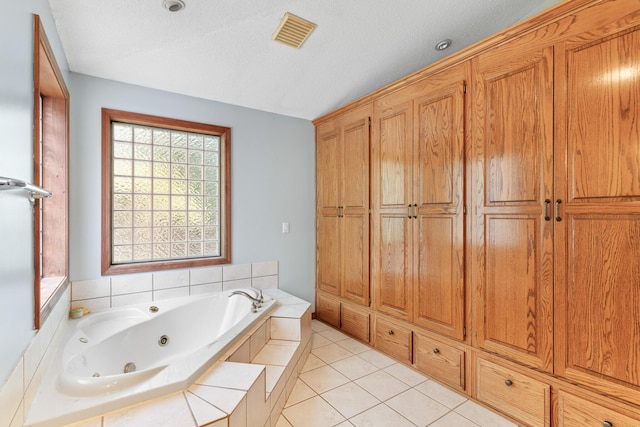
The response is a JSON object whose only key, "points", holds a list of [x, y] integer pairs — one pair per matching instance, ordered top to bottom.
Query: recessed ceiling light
{"points": [[173, 5], [443, 44]]}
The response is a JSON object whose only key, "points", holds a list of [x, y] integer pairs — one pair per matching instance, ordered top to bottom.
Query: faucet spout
{"points": [[256, 302]]}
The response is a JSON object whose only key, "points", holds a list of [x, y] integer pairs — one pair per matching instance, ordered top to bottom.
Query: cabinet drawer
{"points": [[328, 310], [355, 323], [394, 340], [439, 361], [516, 395], [577, 412]]}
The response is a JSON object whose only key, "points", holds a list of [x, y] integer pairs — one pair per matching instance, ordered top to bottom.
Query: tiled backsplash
{"points": [[116, 291]]}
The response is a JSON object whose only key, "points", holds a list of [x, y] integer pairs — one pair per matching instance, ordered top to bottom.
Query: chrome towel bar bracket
{"points": [[34, 191]]}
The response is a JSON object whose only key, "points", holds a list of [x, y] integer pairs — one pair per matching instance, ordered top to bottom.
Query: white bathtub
{"points": [[93, 371]]}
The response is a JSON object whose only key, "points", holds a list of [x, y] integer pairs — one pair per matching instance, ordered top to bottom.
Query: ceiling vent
{"points": [[293, 30]]}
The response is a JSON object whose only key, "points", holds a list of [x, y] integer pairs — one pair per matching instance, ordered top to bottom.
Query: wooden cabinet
{"points": [[536, 133], [342, 193], [417, 202], [556, 225], [513, 228], [598, 240], [328, 310], [350, 318], [355, 322], [394, 339], [439, 361], [520, 396], [573, 411]]}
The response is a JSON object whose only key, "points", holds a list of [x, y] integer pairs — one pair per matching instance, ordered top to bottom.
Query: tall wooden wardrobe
{"points": [[497, 248]]}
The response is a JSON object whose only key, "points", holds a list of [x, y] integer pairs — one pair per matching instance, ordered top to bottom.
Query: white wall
{"points": [[16, 157], [273, 177]]}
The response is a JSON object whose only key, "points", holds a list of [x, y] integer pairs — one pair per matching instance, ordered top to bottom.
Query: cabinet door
{"points": [[391, 166], [512, 174], [439, 194], [355, 205], [328, 250], [598, 262]]}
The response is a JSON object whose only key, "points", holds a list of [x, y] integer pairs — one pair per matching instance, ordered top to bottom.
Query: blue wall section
{"points": [[16, 161], [272, 166]]}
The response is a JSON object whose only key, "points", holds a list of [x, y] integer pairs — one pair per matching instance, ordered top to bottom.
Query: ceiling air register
{"points": [[293, 30]]}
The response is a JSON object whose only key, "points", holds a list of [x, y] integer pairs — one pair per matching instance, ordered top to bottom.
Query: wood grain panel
{"points": [[603, 82], [512, 134], [438, 148], [395, 149], [328, 166], [355, 173], [513, 176], [355, 206], [342, 212], [438, 221], [355, 258], [329, 261], [512, 277], [394, 284], [439, 302], [328, 310], [604, 311], [355, 322], [597, 332], [394, 340], [439, 360], [520, 396], [574, 411]]}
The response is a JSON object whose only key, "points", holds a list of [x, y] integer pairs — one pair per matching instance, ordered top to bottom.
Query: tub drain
{"points": [[164, 340], [129, 367]]}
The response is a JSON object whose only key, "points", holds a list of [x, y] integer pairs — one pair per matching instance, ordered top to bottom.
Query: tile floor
{"points": [[346, 383]]}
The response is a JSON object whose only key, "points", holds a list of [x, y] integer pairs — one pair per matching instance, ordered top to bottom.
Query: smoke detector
{"points": [[293, 30]]}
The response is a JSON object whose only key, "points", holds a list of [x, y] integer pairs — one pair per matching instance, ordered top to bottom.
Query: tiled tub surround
{"points": [[122, 290], [86, 378], [247, 387], [17, 393]]}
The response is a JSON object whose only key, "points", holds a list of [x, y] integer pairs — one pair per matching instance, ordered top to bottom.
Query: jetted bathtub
{"points": [[117, 357]]}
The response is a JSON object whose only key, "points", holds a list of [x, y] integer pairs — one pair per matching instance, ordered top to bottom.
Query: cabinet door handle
{"points": [[409, 211], [415, 211], [557, 213], [547, 217], [390, 331], [436, 350], [508, 383], [607, 423]]}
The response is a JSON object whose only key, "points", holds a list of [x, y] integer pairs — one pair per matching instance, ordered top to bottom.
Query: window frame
{"points": [[109, 116], [50, 216]]}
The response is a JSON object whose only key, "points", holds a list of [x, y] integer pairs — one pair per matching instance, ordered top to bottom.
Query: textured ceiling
{"points": [[222, 50]]}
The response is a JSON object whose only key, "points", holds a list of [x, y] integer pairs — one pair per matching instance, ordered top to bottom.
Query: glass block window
{"points": [[167, 193]]}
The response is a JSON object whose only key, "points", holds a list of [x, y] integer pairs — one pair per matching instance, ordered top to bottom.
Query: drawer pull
{"points": [[390, 331], [436, 350], [508, 383], [607, 423]]}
